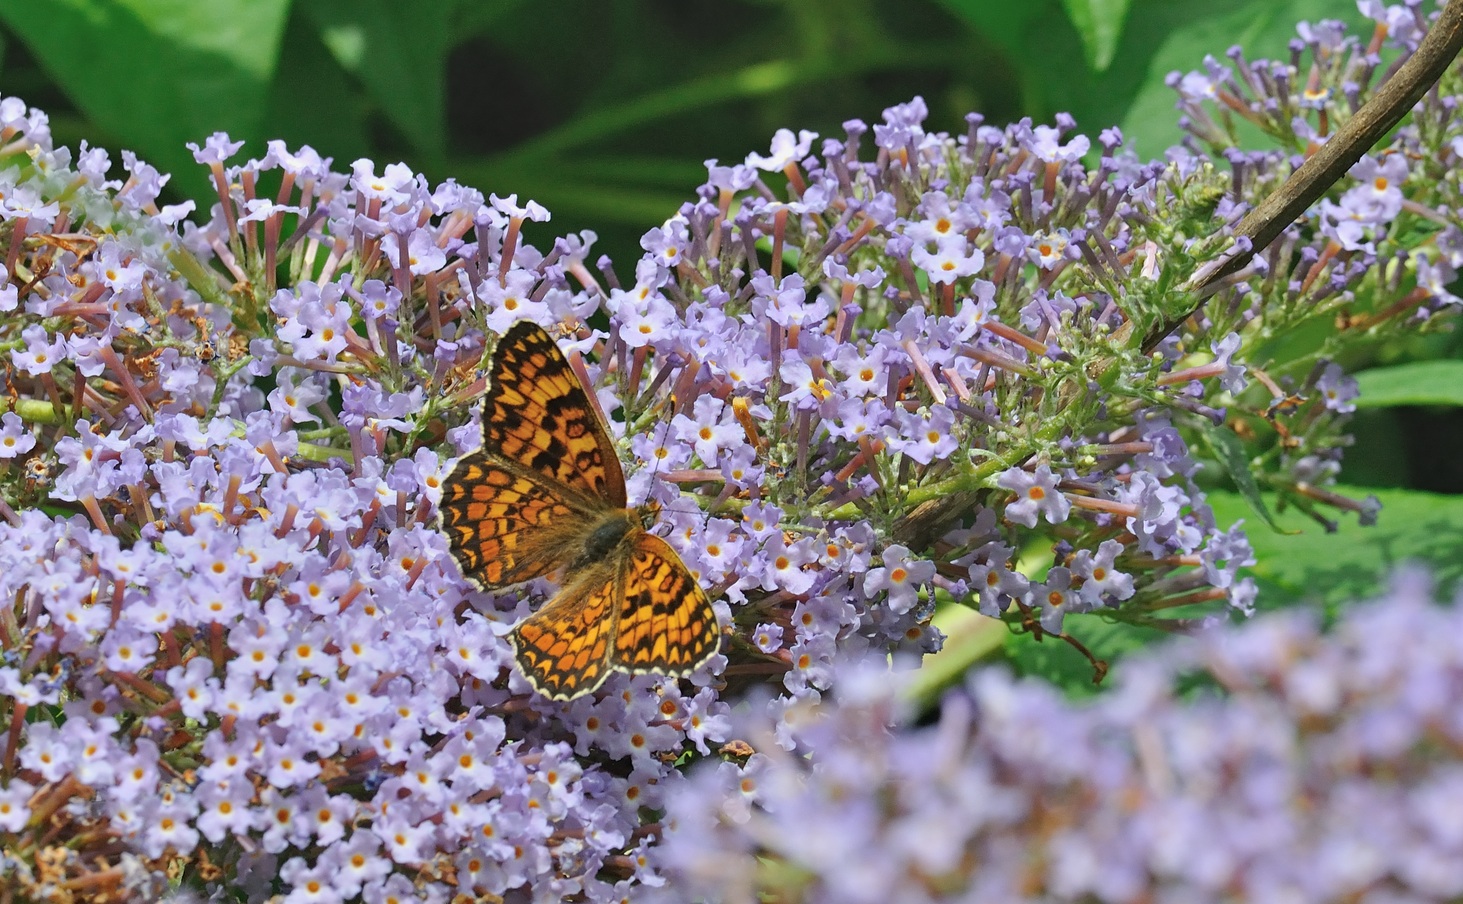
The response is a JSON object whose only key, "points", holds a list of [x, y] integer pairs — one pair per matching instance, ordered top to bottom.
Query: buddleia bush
{"points": [[862, 376], [1267, 762]]}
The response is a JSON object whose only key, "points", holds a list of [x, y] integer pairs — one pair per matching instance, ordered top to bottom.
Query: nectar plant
{"points": [[862, 376]]}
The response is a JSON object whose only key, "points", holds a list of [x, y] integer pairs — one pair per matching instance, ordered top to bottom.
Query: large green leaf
{"points": [[1004, 24], [1100, 25], [1164, 37], [1154, 38], [397, 50], [159, 73], [315, 102], [1418, 383], [1229, 453], [1303, 566], [1312, 566], [1060, 663]]}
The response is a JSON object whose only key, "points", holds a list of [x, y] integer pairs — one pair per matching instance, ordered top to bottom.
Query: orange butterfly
{"points": [[545, 493]]}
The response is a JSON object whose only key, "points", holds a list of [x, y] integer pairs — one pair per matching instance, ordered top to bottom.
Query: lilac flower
{"points": [[1045, 144], [217, 148], [786, 149], [1378, 198], [25, 202], [531, 210], [941, 220], [667, 242], [1049, 249], [951, 259], [1435, 278], [785, 303], [644, 321], [41, 352], [1233, 378], [1337, 389], [710, 430], [14, 438], [924, 438], [1036, 492], [1157, 524], [785, 564], [900, 577], [993, 579], [1100, 582], [1053, 598], [768, 638], [1296, 763], [14, 809]]}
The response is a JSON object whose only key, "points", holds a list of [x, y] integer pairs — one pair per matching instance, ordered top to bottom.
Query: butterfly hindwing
{"points": [[537, 415], [666, 623], [564, 649]]}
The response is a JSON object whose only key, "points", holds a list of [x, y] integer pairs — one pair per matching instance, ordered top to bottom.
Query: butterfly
{"points": [[545, 494]]}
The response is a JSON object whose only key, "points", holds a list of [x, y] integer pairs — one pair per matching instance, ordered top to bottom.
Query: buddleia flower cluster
{"points": [[901, 370], [237, 653], [1269, 762]]}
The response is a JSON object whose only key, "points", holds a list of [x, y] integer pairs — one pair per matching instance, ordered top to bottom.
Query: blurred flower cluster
{"points": [[902, 371], [1269, 762]]}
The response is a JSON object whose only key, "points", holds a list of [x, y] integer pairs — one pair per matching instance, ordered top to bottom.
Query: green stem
{"points": [[203, 280], [224, 374], [34, 411], [312, 452], [969, 638]]}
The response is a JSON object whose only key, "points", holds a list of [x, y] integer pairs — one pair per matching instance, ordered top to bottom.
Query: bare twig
{"points": [[1377, 116]]}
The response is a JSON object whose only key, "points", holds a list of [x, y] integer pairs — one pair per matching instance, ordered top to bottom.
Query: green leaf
{"points": [[1006, 24], [1100, 24], [1166, 36], [397, 50], [207, 66], [315, 102], [1419, 383], [1229, 452], [1300, 564], [1307, 565], [1059, 662]]}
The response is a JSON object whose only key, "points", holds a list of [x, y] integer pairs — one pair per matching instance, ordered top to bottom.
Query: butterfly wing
{"points": [[537, 415], [520, 507], [507, 525], [666, 623], [564, 649]]}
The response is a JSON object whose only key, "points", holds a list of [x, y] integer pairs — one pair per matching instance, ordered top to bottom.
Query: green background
{"points": [[603, 112]]}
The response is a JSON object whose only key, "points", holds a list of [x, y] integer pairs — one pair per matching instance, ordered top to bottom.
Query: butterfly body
{"points": [[545, 496], [605, 538]]}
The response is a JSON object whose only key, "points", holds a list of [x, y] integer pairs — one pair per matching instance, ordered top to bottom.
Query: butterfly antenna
{"points": [[665, 430]]}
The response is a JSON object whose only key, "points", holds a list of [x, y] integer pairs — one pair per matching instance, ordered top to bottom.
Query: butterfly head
{"points": [[648, 514]]}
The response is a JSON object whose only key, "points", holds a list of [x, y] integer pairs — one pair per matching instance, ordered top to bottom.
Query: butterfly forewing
{"points": [[538, 415], [507, 525]]}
